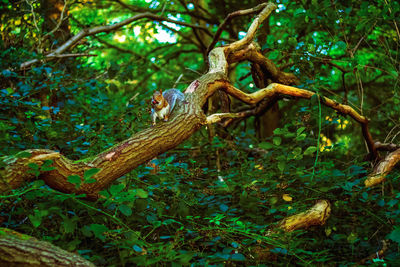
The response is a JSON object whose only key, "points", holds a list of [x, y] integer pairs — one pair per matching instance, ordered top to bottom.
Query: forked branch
{"points": [[228, 19], [276, 89]]}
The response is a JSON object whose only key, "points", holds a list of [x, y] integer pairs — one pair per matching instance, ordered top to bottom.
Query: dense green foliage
{"points": [[184, 212]]}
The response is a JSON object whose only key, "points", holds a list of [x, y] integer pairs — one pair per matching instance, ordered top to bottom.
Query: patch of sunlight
{"points": [[136, 30], [119, 37], [164, 37], [326, 144]]}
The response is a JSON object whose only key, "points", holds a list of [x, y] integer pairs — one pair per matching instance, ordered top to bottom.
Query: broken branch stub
{"points": [[383, 168], [317, 215]]}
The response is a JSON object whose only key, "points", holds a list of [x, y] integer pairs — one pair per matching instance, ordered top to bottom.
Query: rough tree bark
{"points": [[186, 120], [22, 250]]}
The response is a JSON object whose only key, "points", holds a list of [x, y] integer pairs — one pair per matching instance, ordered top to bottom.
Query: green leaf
{"points": [[341, 45], [300, 130], [277, 140], [265, 145], [310, 150], [297, 151], [169, 160], [47, 163], [281, 165], [33, 166], [46, 166], [35, 172], [89, 173], [74, 179], [90, 181], [38, 183], [116, 188], [142, 193], [105, 194], [124, 209], [36, 219], [69, 225], [98, 230], [395, 235], [352, 238], [238, 257]]}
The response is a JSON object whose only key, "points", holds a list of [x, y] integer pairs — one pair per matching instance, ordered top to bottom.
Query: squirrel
{"points": [[164, 102]]}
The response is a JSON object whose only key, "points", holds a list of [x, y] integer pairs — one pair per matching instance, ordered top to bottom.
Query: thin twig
{"points": [[60, 22]]}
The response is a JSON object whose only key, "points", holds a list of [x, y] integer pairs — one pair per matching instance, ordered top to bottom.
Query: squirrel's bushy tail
{"points": [[172, 95]]}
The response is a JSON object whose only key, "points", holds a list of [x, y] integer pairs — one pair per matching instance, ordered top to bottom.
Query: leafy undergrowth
{"points": [[180, 210]]}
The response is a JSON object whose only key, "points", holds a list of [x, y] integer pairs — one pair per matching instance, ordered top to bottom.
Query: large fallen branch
{"points": [[22, 250]]}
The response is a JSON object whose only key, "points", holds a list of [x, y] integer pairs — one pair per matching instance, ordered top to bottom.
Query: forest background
{"points": [[303, 176]]}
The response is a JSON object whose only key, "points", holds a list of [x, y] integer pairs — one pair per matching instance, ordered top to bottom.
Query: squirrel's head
{"points": [[157, 98]]}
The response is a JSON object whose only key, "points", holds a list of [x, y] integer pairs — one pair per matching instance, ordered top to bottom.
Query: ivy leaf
{"points": [[300, 130], [277, 140], [265, 145], [310, 150], [169, 160], [281, 165], [33, 166], [34, 169], [46, 169], [89, 173], [74, 179], [90, 181], [38, 183], [116, 189], [142, 193], [223, 207], [124, 209], [35, 219], [69, 225], [98, 230], [395, 235], [238, 257]]}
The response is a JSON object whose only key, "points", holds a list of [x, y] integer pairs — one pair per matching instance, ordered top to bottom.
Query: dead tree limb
{"points": [[228, 19], [275, 89], [383, 168], [316, 215], [22, 250]]}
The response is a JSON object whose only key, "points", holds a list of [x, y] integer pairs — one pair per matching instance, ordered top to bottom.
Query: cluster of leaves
{"points": [[187, 212]]}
